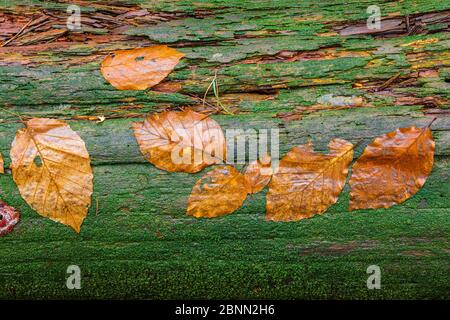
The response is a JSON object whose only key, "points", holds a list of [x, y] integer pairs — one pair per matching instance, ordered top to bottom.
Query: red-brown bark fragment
{"points": [[9, 217]]}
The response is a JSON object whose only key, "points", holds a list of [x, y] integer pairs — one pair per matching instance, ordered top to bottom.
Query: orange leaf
{"points": [[141, 68], [184, 141], [2, 164], [51, 167], [392, 168], [258, 173], [308, 183], [219, 192]]}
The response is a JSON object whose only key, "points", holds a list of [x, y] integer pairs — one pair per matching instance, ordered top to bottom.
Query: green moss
{"points": [[140, 244]]}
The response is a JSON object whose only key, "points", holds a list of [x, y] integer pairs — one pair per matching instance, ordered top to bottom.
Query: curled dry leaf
{"points": [[141, 68], [100, 119], [184, 141], [2, 164], [51, 167], [392, 168], [258, 173], [307, 183], [219, 192], [9, 217]]}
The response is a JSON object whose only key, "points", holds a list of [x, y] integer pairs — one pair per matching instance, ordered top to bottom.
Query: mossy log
{"points": [[274, 60]]}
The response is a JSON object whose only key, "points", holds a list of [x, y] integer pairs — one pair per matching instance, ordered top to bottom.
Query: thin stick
{"points": [[408, 27], [17, 34], [389, 82], [215, 87], [206, 92], [216, 94], [204, 102], [15, 114], [431, 122]]}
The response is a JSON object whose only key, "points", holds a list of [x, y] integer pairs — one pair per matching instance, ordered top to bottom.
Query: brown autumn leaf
{"points": [[141, 68], [180, 141], [2, 164], [51, 167], [392, 168], [258, 173], [308, 183], [219, 192], [9, 217]]}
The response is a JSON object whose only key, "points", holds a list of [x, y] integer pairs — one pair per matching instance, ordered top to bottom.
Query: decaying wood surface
{"points": [[308, 68]]}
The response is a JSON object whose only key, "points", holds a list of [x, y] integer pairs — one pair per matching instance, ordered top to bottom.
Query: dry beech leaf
{"points": [[141, 68], [184, 141], [2, 164], [51, 167], [392, 168], [258, 173], [308, 183], [219, 192], [9, 217]]}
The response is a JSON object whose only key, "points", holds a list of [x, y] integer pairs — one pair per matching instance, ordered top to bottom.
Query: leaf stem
{"points": [[431, 122]]}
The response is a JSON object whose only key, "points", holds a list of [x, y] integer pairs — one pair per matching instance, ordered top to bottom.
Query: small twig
{"points": [[408, 27], [17, 34], [389, 82], [215, 87], [206, 92], [216, 94], [204, 102], [17, 115], [431, 122]]}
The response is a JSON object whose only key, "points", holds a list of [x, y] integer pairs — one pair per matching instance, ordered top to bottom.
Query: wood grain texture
{"points": [[274, 60]]}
